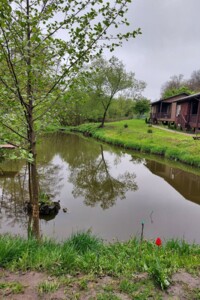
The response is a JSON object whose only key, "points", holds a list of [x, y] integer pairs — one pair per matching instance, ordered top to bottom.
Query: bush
{"points": [[149, 131]]}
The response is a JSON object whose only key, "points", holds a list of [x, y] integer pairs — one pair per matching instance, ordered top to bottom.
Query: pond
{"points": [[104, 190]]}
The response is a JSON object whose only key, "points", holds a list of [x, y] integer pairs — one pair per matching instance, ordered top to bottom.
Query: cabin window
{"points": [[194, 107], [165, 108], [178, 110]]}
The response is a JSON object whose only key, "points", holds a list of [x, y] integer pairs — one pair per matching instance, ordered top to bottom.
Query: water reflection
{"points": [[90, 180], [94, 181], [187, 184], [14, 194]]}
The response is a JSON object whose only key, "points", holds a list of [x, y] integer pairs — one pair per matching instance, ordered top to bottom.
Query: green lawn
{"points": [[136, 134]]}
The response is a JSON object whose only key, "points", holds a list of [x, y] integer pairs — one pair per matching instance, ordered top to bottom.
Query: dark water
{"points": [[104, 190]]}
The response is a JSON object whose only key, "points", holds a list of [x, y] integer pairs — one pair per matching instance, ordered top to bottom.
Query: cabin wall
{"points": [[184, 108], [155, 109], [173, 111], [184, 111]]}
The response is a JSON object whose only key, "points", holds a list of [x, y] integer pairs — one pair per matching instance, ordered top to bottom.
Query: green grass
{"points": [[139, 136], [83, 242], [120, 260], [48, 286], [13, 287], [138, 290], [106, 296]]}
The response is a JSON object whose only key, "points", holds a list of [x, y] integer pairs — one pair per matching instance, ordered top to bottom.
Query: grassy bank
{"points": [[135, 134], [87, 255]]}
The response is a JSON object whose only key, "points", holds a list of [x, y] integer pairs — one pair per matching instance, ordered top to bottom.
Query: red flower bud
{"points": [[158, 241]]}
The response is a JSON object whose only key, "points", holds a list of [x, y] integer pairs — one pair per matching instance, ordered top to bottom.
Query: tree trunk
{"points": [[104, 117], [33, 176], [34, 187]]}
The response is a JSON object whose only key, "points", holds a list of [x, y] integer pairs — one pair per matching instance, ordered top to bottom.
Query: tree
{"points": [[43, 45], [109, 79], [194, 81], [174, 83], [177, 85], [172, 86], [176, 91], [142, 106], [121, 108], [71, 109]]}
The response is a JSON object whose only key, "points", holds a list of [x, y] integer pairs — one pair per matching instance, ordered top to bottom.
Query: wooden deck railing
{"points": [[162, 115]]}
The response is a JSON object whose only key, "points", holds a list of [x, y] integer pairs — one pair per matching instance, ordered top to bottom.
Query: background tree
{"points": [[43, 45], [109, 79], [194, 81], [177, 85], [91, 94], [142, 106], [72, 107], [121, 108]]}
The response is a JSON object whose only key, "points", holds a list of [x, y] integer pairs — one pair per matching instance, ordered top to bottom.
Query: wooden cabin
{"points": [[164, 110], [183, 110], [188, 113]]}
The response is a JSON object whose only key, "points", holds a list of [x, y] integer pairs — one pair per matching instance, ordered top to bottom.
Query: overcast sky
{"points": [[169, 44]]}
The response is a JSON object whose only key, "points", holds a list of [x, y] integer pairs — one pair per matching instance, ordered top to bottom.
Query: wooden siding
{"points": [[182, 109], [173, 111]]}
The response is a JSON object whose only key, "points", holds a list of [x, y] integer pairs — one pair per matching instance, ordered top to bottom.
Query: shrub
{"points": [[149, 131]]}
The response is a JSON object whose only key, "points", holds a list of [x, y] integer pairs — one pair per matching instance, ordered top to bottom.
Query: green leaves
{"points": [[44, 44]]}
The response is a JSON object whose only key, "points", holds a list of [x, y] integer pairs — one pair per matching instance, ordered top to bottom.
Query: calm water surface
{"points": [[104, 190]]}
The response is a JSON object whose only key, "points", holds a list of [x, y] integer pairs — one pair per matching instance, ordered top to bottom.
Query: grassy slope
{"points": [[172, 145]]}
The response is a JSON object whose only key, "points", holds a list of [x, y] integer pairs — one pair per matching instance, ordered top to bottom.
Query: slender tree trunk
{"points": [[104, 117], [33, 176], [33, 179], [33, 227]]}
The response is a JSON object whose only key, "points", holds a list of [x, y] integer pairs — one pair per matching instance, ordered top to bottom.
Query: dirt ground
{"points": [[35, 285]]}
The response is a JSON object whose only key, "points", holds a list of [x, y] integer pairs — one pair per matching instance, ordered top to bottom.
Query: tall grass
{"points": [[83, 242], [87, 254]]}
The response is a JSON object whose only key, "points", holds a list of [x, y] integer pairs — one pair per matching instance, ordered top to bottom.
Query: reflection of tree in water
{"points": [[137, 160], [51, 180], [94, 182], [14, 191], [13, 196]]}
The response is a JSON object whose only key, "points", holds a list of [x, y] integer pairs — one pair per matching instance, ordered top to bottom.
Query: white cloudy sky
{"points": [[169, 44]]}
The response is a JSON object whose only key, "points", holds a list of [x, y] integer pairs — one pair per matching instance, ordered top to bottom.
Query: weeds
{"points": [[83, 242], [87, 254], [83, 284], [48, 286], [13, 287], [127, 287], [107, 296]]}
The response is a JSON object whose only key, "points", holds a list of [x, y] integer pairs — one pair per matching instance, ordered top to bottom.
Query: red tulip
{"points": [[158, 241]]}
